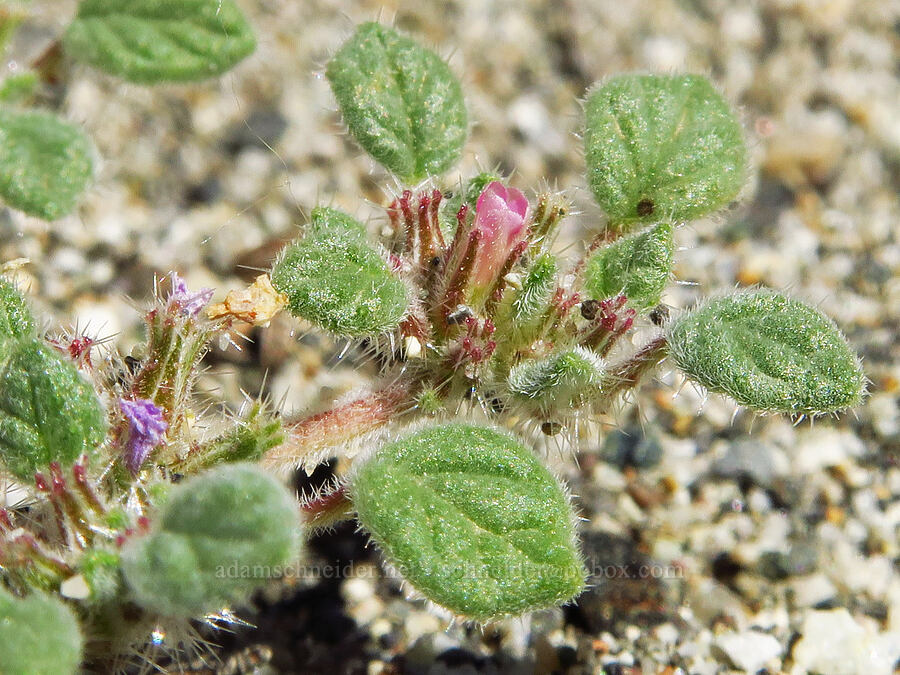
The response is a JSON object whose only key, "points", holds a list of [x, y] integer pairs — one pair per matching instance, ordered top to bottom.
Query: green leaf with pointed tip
{"points": [[151, 41], [401, 102], [662, 146], [45, 163], [637, 265], [335, 279], [531, 300], [15, 316], [768, 352], [566, 380], [48, 411], [472, 520], [219, 536], [39, 635]]}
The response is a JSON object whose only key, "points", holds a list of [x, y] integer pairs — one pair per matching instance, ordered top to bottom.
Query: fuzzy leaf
{"points": [[151, 41], [401, 102], [662, 146], [45, 163], [637, 265], [333, 278], [531, 300], [15, 316], [768, 352], [563, 381], [48, 411], [472, 520], [211, 534], [39, 635]]}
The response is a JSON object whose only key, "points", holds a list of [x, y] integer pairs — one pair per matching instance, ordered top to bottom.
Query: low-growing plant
{"points": [[486, 338]]}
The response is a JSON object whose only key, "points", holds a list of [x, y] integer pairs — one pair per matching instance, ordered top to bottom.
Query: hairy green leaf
{"points": [[150, 41], [401, 102], [662, 147], [45, 163], [637, 265], [333, 278], [531, 300], [15, 316], [768, 352], [566, 380], [48, 411], [472, 520], [217, 538], [39, 635]]}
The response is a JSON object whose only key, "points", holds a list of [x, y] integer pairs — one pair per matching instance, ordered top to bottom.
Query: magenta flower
{"points": [[500, 217], [189, 302], [146, 429]]}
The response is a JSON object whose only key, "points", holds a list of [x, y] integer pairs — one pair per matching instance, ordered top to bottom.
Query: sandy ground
{"points": [[773, 546]]}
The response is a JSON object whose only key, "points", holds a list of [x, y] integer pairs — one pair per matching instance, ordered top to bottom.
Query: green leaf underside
{"points": [[151, 41], [401, 102], [662, 147], [45, 163], [637, 265], [333, 278], [15, 317], [768, 352], [565, 380], [48, 411], [472, 520], [213, 532], [39, 635]]}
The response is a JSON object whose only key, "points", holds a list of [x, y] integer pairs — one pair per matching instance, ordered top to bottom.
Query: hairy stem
{"points": [[628, 373], [308, 440], [327, 509]]}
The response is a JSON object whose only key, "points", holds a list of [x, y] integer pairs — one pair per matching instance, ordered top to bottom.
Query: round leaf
{"points": [[150, 41], [401, 102], [662, 146], [45, 164], [333, 278], [768, 352], [48, 411], [472, 520], [218, 537], [39, 635]]}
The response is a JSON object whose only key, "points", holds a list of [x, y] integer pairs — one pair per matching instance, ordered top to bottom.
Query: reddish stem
{"points": [[627, 374], [310, 437]]}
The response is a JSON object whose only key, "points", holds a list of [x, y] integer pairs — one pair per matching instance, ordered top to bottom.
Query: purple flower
{"points": [[500, 217], [189, 302], [146, 430]]}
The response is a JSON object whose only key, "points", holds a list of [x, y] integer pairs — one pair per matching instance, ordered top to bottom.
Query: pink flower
{"points": [[500, 217]]}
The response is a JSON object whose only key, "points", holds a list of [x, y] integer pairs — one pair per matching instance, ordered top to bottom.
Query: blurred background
{"points": [[768, 545]]}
